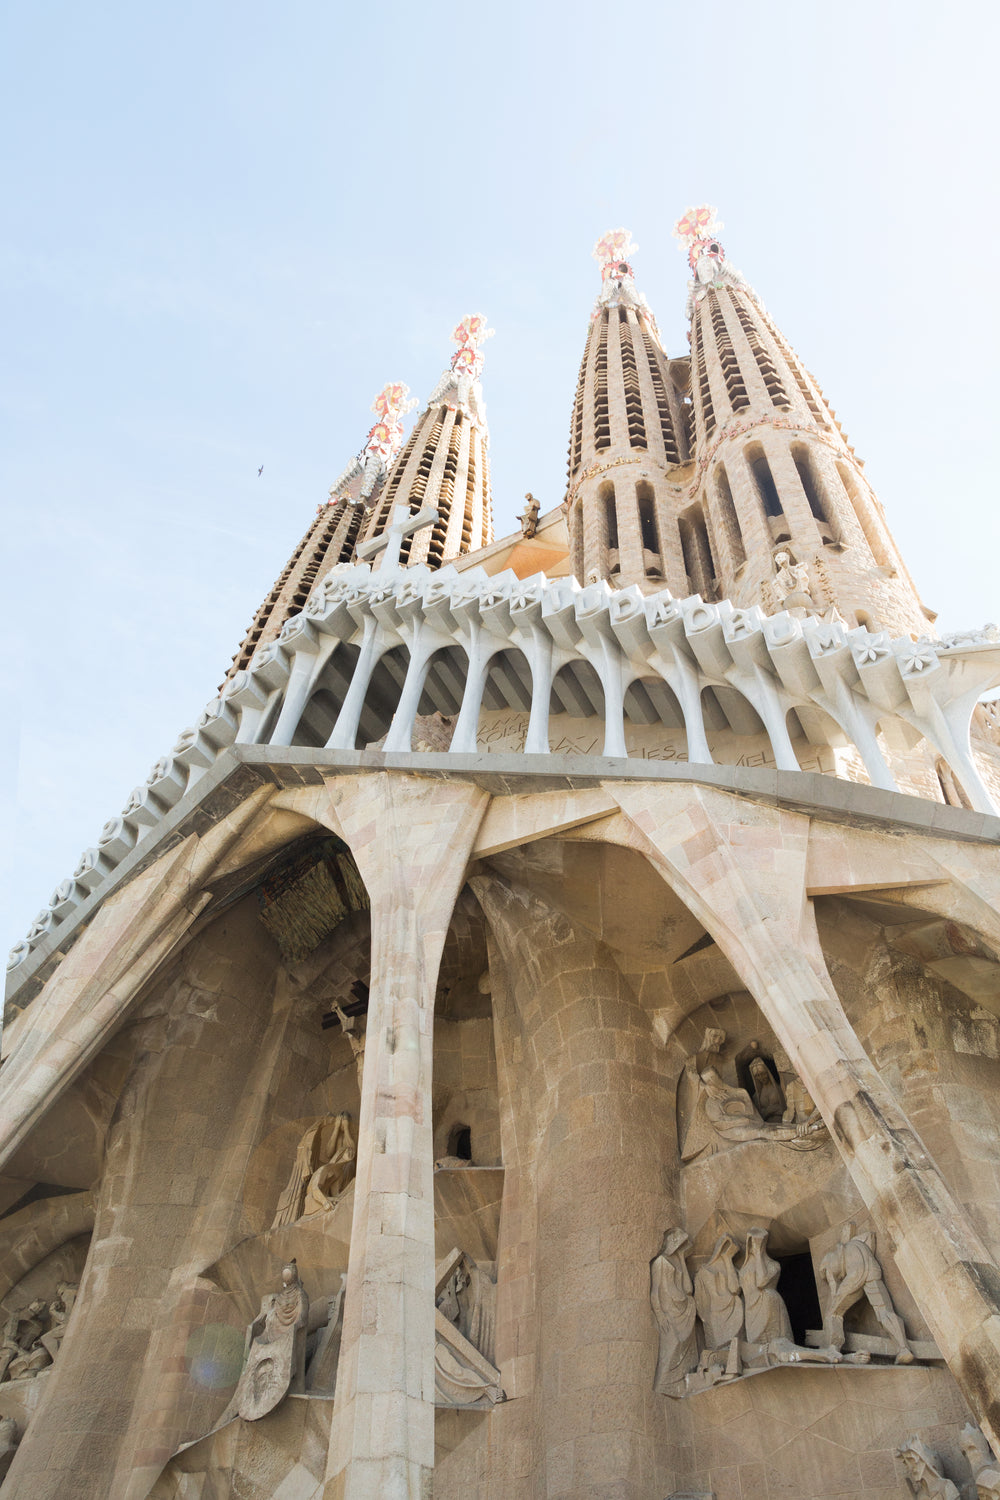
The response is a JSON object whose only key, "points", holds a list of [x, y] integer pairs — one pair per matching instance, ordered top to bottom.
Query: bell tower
{"points": [[628, 431], [445, 463], [778, 505], [333, 535]]}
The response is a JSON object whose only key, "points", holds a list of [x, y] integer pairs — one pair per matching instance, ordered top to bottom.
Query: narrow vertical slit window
{"points": [[729, 518]]}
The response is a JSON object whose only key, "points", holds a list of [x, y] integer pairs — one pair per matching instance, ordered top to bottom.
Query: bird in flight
{"points": [[260, 471]]}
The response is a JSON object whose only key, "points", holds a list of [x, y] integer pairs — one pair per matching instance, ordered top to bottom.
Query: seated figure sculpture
{"points": [[722, 1113], [851, 1272], [275, 1351]]}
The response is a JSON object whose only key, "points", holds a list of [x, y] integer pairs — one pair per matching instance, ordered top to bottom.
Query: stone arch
{"points": [[385, 687], [577, 695], [506, 701], [728, 712], [320, 713], [654, 721], [812, 731], [31, 1233]]}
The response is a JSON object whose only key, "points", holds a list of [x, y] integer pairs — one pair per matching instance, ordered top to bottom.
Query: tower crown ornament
{"points": [[696, 231], [613, 253], [468, 358], [380, 447]]}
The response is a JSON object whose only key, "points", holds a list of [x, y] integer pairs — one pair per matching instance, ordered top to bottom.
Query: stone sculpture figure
{"points": [[790, 584], [768, 1095], [800, 1108], [730, 1114], [325, 1163], [852, 1272], [717, 1295], [672, 1297], [469, 1302], [59, 1311], [766, 1316], [275, 1350], [21, 1352], [321, 1376], [8, 1444], [985, 1469], [923, 1472]]}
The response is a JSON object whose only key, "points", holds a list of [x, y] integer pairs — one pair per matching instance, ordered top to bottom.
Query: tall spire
{"points": [[627, 433], [445, 462], [778, 497], [333, 535]]}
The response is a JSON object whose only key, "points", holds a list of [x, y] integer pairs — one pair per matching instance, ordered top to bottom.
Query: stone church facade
{"points": [[538, 1034]]}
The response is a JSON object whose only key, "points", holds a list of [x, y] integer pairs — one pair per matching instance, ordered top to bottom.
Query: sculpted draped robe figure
{"points": [[726, 1112], [325, 1163], [671, 1295], [717, 1295], [767, 1320], [275, 1350]]}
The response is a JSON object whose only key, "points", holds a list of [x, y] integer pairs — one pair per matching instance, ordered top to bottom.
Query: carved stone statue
{"points": [[529, 516], [790, 584], [768, 1095], [800, 1108], [727, 1112], [325, 1163], [851, 1272], [717, 1295], [672, 1297], [469, 1302], [59, 1311], [766, 1316], [464, 1323], [275, 1350], [22, 1352], [321, 1376], [8, 1444], [985, 1469], [923, 1473]]}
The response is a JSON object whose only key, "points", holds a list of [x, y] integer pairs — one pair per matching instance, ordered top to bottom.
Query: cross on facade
{"points": [[403, 523]]}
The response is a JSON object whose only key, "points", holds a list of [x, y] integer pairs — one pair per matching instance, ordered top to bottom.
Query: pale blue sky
{"points": [[230, 224]]}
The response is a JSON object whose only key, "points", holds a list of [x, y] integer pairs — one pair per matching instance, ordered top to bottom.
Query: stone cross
{"points": [[390, 540]]}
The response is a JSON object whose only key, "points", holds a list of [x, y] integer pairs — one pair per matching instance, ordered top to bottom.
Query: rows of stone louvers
{"points": [[778, 662]]}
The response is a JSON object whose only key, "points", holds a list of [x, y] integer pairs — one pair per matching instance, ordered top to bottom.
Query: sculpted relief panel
{"points": [[715, 1112], [724, 1321]]}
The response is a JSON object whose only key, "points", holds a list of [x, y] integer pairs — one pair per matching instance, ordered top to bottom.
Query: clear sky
{"points": [[231, 223]]}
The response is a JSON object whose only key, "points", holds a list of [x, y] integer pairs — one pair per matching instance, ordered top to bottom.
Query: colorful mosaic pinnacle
{"points": [[695, 230], [613, 250], [468, 358], [386, 437]]}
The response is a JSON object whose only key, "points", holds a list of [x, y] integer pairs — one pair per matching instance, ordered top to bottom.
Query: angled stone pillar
{"points": [[411, 838], [741, 869], [135, 929]]}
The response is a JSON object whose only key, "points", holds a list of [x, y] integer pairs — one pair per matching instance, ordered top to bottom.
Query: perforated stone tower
{"points": [[535, 1037]]}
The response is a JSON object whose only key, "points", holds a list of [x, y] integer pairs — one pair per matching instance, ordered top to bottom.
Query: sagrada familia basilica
{"points": [[537, 1035]]}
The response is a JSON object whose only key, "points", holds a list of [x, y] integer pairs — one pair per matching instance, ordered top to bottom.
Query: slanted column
{"points": [[411, 838], [741, 869]]}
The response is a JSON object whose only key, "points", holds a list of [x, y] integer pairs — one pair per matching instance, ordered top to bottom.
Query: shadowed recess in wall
{"points": [[306, 897]]}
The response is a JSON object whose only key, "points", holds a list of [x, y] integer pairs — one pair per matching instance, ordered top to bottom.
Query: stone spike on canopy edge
{"points": [[697, 231], [613, 253], [381, 446]]}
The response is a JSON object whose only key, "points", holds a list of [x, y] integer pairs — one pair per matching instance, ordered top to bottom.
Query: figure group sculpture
{"points": [[779, 1110], [325, 1163], [744, 1323], [465, 1325], [32, 1335]]}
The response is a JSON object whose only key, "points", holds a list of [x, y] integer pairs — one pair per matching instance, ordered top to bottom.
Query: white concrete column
{"points": [[411, 838]]}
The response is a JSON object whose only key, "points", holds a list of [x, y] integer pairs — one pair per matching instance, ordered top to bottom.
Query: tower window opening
{"points": [[765, 364], [733, 375], [630, 381], [701, 381], [807, 386], [602, 418], [670, 448], [807, 478], [763, 480], [607, 495], [729, 518], [866, 518], [647, 522], [699, 564]]}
